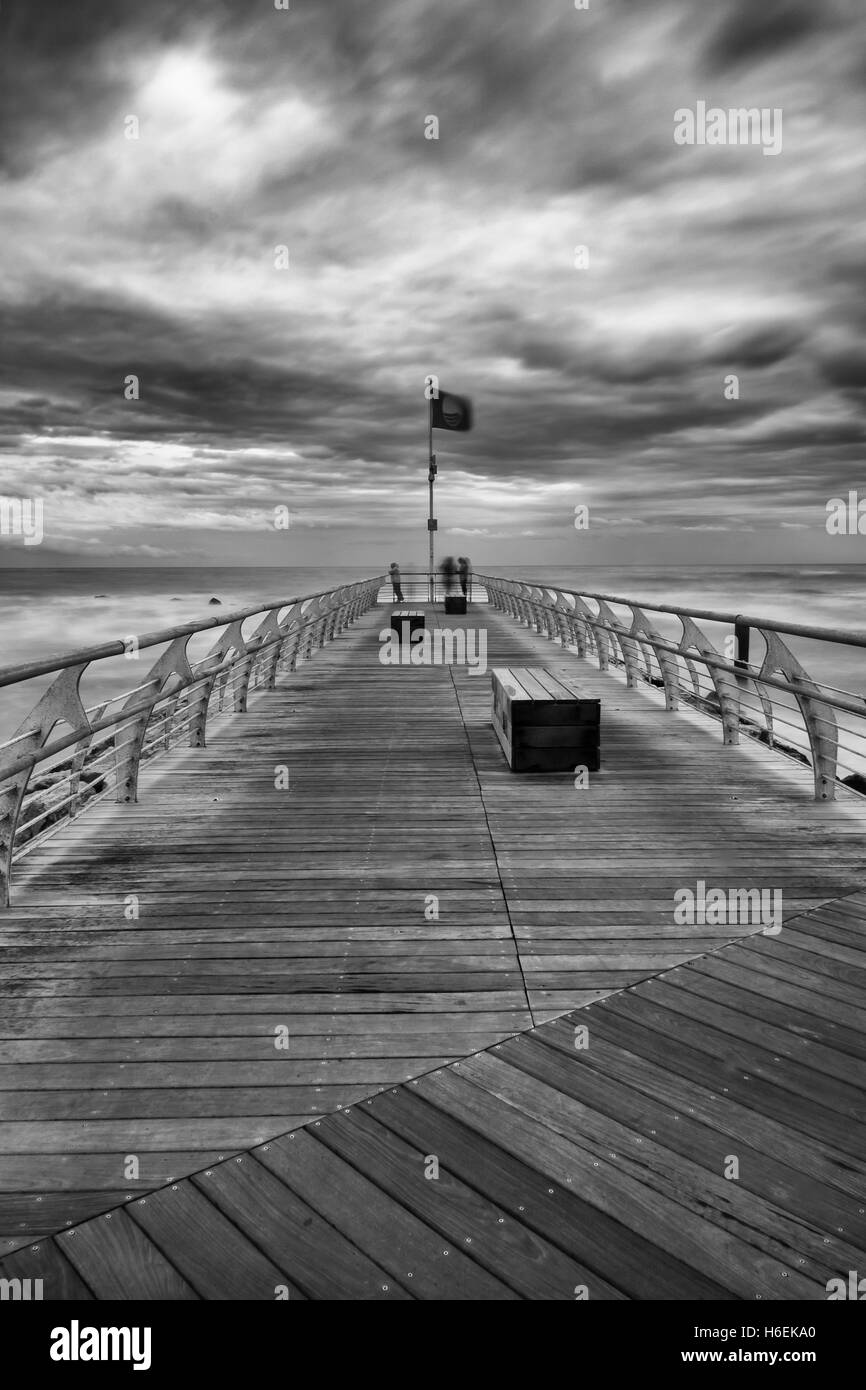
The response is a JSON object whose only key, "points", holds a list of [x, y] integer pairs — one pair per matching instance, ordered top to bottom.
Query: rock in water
{"points": [[215, 600]]}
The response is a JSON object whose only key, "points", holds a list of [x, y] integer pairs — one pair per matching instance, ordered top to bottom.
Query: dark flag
{"points": [[451, 412]]}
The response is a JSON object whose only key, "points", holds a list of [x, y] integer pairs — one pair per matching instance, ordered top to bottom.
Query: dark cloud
{"points": [[750, 32], [305, 128], [756, 347], [846, 369]]}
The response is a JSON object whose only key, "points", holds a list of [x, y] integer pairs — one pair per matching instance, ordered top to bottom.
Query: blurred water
{"points": [[814, 595], [47, 612]]}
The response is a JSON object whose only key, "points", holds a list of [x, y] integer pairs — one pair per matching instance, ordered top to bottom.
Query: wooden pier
{"points": [[343, 945]]}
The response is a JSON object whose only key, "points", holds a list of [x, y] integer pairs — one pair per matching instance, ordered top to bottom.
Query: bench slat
{"points": [[510, 682], [555, 685], [533, 687]]}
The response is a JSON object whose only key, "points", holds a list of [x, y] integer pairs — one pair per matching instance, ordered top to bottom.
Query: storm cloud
{"points": [[597, 380]]}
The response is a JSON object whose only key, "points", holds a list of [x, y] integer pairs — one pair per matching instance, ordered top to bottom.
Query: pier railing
{"points": [[424, 586], [766, 693], [65, 756]]}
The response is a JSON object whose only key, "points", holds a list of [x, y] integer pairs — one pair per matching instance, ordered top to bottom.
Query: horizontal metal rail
{"points": [[429, 586], [690, 668], [107, 742]]}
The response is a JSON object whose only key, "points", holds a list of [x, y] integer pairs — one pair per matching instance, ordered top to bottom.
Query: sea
{"points": [[47, 612]]}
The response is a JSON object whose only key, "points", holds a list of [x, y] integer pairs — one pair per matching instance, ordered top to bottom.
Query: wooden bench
{"points": [[405, 622], [543, 724]]}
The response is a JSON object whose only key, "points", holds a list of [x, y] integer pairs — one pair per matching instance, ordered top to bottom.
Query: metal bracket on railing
{"points": [[564, 612], [566, 625], [643, 629], [267, 630], [588, 631], [627, 645], [741, 661], [171, 668], [724, 684], [171, 685], [60, 703], [824, 742], [79, 761]]}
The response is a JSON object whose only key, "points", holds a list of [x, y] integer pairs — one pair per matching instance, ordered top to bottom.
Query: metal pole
{"points": [[430, 476]]}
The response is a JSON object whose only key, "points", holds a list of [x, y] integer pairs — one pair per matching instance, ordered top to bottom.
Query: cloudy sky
{"points": [[264, 387]]}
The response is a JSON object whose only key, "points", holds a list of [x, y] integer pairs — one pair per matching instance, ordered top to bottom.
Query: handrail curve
{"points": [[738, 693], [176, 697]]}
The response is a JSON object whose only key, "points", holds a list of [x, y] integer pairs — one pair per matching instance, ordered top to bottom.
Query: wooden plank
{"points": [[507, 677], [527, 680], [554, 685], [576, 738], [307, 908], [671, 993], [760, 1009], [743, 1055], [710, 1069], [830, 1177], [699, 1188], [768, 1200], [41, 1212], [662, 1220], [389, 1234], [206, 1248], [620, 1255], [116, 1259], [45, 1261], [321, 1261], [530, 1266]]}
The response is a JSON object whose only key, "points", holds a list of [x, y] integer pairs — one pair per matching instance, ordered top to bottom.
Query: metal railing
{"points": [[422, 586], [822, 724], [107, 742]]}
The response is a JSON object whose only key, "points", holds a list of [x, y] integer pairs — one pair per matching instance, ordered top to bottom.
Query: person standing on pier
{"points": [[448, 569], [394, 572], [464, 573]]}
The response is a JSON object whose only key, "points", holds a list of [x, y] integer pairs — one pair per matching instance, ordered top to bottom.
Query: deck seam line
{"points": [[492, 838], [715, 950], [579, 1008], [436, 1230]]}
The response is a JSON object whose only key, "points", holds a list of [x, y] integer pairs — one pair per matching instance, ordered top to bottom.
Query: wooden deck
{"points": [[305, 908], [562, 1173]]}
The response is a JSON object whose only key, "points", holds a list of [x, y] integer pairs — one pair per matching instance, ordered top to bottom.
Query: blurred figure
{"points": [[448, 570], [464, 573], [396, 582]]}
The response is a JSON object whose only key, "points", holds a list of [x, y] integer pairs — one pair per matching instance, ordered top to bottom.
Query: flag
{"points": [[451, 412]]}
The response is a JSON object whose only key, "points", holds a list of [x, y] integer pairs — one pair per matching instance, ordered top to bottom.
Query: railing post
{"points": [[642, 627], [266, 632], [295, 641], [627, 644], [172, 664], [724, 683], [171, 686], [61, 701], [199, 702], [815, 712], [79, 760]]}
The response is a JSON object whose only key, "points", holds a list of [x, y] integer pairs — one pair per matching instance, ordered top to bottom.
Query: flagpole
{"points": [[430, 477]]}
